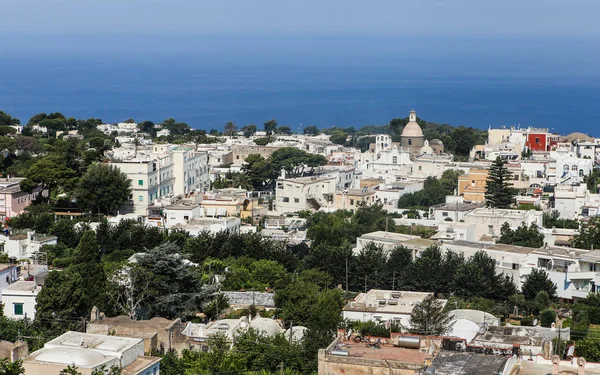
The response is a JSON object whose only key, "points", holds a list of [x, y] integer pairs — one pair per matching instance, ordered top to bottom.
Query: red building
{"points": [[537, 141]]}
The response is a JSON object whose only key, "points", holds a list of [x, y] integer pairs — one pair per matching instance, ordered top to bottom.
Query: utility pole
{"points": [[346, 275], [365, 283]]}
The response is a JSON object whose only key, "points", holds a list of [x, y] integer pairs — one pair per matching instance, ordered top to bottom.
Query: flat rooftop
{"points": [[461, 207], [387, 236], [551, 250], [21, 286], [386, 301], [508, 336], [106, 343], [386, 352], [455, 363], [543, 367]]}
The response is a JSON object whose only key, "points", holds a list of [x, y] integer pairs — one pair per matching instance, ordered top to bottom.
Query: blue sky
{"points": [[303, 17]]}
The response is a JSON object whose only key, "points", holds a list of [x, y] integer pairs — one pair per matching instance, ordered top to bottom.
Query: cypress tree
{"points": [[499, 192]]}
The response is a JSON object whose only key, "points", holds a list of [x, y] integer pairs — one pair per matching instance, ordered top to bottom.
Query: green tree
{"points": [[6, 119], [270, 127], [230, 129], [249, 130], [284, 130], [311, 130], [338, 137], [50, 172], [103, 189], [499, 192], [589, 235], [522, 236], [537, 281], [176, 287], [129, 290], [69, 295], [304, 303], [429, 317], [547, 317], [589, 348], [11, 368], [70, 370], [103, 370]]}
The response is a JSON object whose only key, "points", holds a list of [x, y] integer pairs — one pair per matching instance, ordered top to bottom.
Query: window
{"points": [[537, 141], [410, 142], [237, 157], [395, 159], [420, 167], [565, 167], [574, 168], [141, 198], [285, 199], [296, 200], [351, 202], [444, 214], [186, 217], [18, 308]]}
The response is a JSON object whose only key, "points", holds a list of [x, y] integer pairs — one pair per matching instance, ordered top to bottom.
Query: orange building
{"points": [[471, 186]]}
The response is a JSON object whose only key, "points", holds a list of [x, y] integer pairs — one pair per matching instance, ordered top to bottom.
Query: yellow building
{"points": [[471, 186]]}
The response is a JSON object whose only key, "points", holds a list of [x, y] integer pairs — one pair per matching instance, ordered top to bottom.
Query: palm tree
{"points": [[230, 128]]}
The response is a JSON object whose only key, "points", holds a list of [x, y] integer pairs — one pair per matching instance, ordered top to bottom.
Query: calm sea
{"points": [[336, 82]]}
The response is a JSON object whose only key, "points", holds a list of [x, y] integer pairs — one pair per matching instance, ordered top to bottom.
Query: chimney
{"points": [[19, 350], [555, 361], [580, 366]]}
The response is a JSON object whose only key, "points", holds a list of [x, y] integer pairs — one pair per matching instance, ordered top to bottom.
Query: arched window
{"points": [[409, 142], [565, 167], [574, 168], [581, 173]]}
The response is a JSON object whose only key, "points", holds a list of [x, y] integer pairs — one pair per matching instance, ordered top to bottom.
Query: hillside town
{"points": [[410, 248]]}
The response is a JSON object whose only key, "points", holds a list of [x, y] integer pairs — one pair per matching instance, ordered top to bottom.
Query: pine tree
{"points": [[499, 192]]}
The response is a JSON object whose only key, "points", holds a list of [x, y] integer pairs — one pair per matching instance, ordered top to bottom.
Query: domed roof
{"points": [[412, 129], [577, 136], [436, 142], [426, 149], [267, 326], [296, 333], [69, 355]]}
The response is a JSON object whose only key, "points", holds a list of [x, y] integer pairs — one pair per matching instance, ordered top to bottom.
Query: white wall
{"points": [[9, 298]]}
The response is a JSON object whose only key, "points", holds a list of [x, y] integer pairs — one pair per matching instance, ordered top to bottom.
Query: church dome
{"points": [[412, 129], [579, 137], [436, 142], [426, 149]]}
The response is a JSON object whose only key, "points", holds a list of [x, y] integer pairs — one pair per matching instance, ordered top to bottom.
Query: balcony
{"points": [[590, 275], [579, 293]]}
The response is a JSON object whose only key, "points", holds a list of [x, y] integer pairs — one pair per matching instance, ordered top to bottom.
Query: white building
{"points": [[127, 127], [571, 168], [163, 171], [191, 171], [150, 180], [569, 200], [181, 212], [488, 221], [210, 224], [390, 240], [25, 245], [574, 271], [8, 275], [19, 299], [384, 305], [90, 352]]}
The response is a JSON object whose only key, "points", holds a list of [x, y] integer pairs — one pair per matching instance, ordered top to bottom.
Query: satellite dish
{"points": [[550, 265], [535, 322]]}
